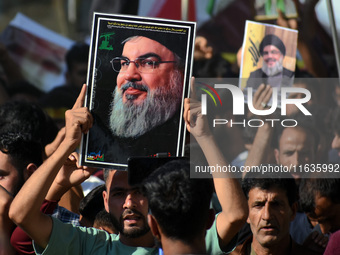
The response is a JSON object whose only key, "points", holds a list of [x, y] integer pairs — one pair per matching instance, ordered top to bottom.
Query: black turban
{"points": [[271, 39], [174, 42]]}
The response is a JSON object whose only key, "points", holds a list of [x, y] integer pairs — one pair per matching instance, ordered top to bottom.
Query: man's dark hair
{"points": [[78, 53], [27, 119], [21, 151], [107, 171], [281, 180], [309, 188], [92, 203], [179, 204], [103, 218]]}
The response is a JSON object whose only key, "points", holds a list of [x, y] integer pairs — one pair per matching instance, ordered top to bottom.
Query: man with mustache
{"points": [[272, 71], [149, 87], [144, 114], [272, 201], [128, 209]]}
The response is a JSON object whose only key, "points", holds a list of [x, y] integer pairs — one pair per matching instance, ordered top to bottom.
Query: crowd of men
{"points": [[169, 212]]}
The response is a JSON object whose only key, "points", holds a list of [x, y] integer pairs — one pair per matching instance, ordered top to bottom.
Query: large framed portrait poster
{"points": [[138, 76]]}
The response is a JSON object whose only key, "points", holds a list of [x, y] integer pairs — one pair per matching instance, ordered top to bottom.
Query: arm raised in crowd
{"points": [[261, 146], [52, 147], [68, 177], [228, 189], [25, 208]]}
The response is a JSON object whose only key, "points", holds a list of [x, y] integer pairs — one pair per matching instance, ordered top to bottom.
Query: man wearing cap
{"points": [[272, 71], [144, 114]]}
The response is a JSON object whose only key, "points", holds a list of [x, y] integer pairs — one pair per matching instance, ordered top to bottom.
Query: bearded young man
{"points": [[272, 72]]}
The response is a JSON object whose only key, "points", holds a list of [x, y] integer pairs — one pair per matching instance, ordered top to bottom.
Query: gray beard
{"points": [[271, 71], [128, 120]]}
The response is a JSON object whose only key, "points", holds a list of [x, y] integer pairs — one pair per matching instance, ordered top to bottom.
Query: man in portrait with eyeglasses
{"points": [[272, 72], [149, 86], [145, 111]]}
